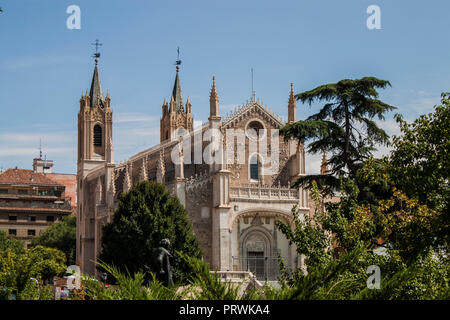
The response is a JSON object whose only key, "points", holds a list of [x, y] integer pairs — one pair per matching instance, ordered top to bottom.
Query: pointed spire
{"points": [[95, 93], [176, 93], [214, 101], [172, 105], [188, 105], [292, 106], [164, 107], [324, 166], [160, 168], [143, 172], [126, 180], [112, 186]]}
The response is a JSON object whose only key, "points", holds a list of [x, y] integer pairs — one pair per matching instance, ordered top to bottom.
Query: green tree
{"points": [[344, 127], [420, 164], [147, 214], [308, 233], [60, 235], [14, 245], [20, 271]]}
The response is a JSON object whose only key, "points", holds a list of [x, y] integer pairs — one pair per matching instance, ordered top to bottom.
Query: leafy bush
{"points": [[147, 214]]}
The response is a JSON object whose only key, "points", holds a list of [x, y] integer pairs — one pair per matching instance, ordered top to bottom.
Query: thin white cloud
{"points": [[37, 60], [424, 105], [124, 117], [28, 137], [10, 152], [312, 163]]}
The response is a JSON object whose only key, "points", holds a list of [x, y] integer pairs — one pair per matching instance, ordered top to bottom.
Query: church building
{"points": [[233, 206]]}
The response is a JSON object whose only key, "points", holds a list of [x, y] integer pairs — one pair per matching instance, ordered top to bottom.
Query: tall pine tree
{"points": [[344, 127]]}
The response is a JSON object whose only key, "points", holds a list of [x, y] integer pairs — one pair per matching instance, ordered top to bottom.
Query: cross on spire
{"points": [[96, 54], [178, 62]]}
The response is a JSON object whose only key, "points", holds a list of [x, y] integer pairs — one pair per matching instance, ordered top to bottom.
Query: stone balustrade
{"points": [[263, 192]]}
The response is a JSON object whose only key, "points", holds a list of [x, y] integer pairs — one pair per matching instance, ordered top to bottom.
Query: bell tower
{"points": [[174, 114], [95, 124], [95, 153]]}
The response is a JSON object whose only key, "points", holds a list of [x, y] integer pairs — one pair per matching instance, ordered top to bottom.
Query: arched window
{"points": [[253, 130], [97, 135], [254, 167]]}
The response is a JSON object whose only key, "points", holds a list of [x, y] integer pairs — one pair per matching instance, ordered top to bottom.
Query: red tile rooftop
{"points": [[27, 177]]}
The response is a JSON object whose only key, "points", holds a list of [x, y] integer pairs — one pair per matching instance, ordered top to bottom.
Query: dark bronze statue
{"points": [[162, 263]]}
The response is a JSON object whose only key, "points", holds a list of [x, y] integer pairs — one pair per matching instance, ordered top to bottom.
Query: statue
{"points": [[161, 259]]}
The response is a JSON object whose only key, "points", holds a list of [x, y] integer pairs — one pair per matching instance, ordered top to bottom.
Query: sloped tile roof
{"points": [[25, 176]]}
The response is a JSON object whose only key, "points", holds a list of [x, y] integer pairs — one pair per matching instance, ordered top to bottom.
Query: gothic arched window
{"points": [[253, 130], [97, 135], [254, 167]]}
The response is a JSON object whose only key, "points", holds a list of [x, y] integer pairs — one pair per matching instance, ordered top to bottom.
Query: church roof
{"points": [[96, 89], [176, 93], [249, 106], [26, 177]]}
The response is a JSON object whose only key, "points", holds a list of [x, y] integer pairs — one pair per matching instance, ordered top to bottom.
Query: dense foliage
{"points": [[344, 127], [147, 214], [389, 214], [61, 235], [14, 245], [23, 274]]}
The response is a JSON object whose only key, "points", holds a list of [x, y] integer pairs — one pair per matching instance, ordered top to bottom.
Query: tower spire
{"points": [[253, 91], [176, 92], [95, 93], [214, 101], [292, 106], [324, 166]]}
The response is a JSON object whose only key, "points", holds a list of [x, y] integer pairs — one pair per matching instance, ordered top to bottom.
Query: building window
{"points": [[253, 130], [97, 135], [254, 168], [3, 191], [22, 192], [43, 192], [12, 218], [32, 218], [50, 218], [12, 232], [31, 232]]}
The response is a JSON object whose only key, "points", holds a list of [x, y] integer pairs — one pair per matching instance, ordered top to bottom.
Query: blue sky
{"points": [[44, 66]]}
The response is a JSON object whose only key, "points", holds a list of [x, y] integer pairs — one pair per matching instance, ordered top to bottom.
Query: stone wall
{"points": [[198, 205]]}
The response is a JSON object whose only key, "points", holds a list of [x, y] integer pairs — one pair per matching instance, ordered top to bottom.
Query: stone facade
{"points": [[232, 206]]}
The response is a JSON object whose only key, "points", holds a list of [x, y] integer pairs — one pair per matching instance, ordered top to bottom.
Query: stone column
{"points": [[221, 236]]}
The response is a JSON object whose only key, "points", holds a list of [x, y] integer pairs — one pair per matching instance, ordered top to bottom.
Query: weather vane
{"points": [[96, 54], [178, 62]]}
